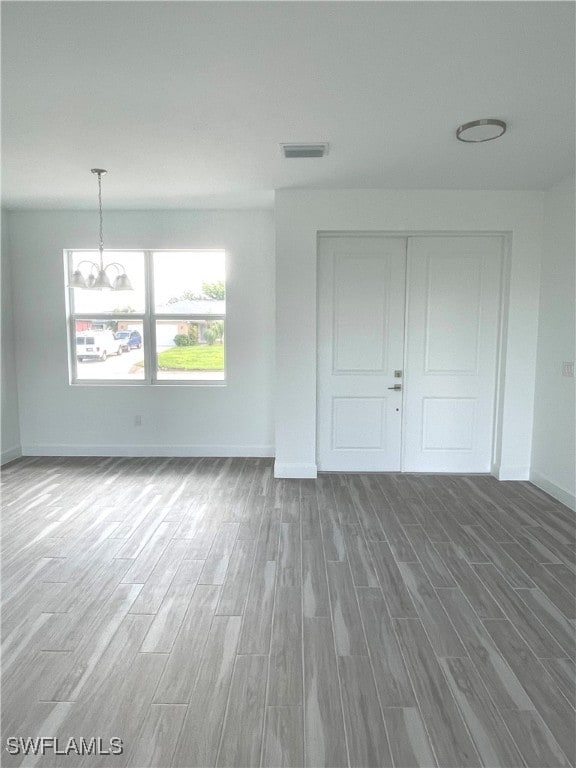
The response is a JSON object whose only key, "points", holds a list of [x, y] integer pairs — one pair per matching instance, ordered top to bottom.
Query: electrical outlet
{"points": [[568, 369], [137, 421]]}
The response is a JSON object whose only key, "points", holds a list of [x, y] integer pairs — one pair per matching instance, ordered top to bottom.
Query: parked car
{"points": [[130, 339], [97, 345]]}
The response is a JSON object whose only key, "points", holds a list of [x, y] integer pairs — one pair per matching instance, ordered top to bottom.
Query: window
{"points": [[168, 329]]}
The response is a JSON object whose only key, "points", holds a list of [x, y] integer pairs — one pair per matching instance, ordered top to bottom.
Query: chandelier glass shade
{"points": [[98, 278]]}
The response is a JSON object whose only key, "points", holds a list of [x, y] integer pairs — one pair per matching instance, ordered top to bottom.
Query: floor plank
{"points": [[216, 564], [289, 565], [361, 566], [237, 581], [314, 583], [396, 593], [345, 614], [167, 621], [257, 624], [285, 674], [392, 681], [242, 730], [366, 734], [158, 735], [283, 738], [324, 740], [409, 741]]}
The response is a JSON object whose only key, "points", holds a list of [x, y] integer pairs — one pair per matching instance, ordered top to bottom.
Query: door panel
{"points": [[361, 287], [453, 294], [361, 300], [452, 340], [358, 422]]}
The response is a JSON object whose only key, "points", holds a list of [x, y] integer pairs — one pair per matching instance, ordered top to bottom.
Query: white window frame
{"points": [[148, 319]]}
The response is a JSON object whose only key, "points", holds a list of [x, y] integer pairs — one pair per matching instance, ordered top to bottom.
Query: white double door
{"points": [[407, 353]]}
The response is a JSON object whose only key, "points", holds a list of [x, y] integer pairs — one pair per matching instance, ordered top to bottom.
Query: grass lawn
{"points": [[200, 358]]}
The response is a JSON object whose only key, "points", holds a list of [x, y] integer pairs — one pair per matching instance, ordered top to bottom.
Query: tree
{"points": [[214, 291], [210, 292], [186, 296], [112, 325], [218, 326], [214, 332]]}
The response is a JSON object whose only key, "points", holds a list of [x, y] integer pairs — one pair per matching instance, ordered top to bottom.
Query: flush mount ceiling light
{"points": [[481, 130], [292, 151], [98, 278]]}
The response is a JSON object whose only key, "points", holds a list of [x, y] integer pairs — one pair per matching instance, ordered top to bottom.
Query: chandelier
{"points": [[98, 277]]}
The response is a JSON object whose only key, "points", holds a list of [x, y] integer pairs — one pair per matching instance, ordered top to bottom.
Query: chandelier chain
{"points": [[101, 247], [98, 279]]}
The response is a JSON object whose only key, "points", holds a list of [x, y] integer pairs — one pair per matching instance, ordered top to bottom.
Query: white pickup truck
{"points": [[97, 344]]}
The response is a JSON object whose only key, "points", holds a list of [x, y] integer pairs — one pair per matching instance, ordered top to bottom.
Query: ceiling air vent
{"points": [[304, 150]]}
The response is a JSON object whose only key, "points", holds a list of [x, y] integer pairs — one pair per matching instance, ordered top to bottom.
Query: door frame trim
{"points": [[505, 237]]}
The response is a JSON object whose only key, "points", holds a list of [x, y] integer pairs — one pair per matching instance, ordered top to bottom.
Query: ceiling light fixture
{"points": [[481, 130], [98, 277]]}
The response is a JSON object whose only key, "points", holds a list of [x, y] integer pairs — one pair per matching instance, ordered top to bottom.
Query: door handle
{"points": [[396, 387]]}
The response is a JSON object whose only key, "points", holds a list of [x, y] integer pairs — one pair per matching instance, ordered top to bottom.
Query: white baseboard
{"points": [[243, 451], [10, 454], [286, 469], [511, 473], [561, 494]]}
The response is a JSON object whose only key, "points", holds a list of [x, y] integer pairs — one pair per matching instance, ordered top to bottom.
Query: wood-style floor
{"points": [[209, 615]]}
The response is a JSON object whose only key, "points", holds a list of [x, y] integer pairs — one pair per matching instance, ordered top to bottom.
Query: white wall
{"points": [[301, 214], [57, 418], [10, 427], [553, 452]]}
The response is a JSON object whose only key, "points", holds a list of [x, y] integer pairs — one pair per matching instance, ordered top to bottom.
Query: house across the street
{"points": [[168, 328]]}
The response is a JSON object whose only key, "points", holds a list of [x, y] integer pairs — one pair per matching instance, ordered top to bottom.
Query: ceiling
{"points": [[186, 103]]}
